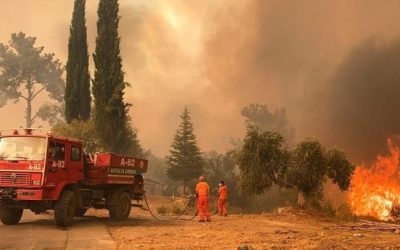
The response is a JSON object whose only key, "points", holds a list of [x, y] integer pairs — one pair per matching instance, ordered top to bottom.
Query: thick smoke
{"points": [[270, 52], [291, 53], [217, 56], [364, 98]]}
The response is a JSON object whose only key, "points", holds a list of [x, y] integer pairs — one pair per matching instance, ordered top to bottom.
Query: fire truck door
{"points": [[75, 163], [55, 167]]}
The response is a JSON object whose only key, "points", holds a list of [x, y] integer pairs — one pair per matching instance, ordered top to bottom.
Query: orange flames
{"points": [[375, 189]]}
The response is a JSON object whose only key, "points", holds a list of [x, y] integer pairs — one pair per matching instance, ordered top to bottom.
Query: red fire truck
{"points": [[41, 171]]}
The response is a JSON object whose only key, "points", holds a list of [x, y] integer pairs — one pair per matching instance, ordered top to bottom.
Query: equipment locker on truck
{"points": [[41, 171]]}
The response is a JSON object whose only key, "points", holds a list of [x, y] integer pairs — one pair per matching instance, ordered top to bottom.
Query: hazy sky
{"points": [[216, 56]]}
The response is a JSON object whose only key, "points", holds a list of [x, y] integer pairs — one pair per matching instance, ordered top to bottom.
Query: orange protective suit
{"points": [[203, 191], [222, 200]]}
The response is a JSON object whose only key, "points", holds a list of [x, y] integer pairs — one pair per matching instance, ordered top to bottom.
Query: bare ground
{"points": [[287, 230]]}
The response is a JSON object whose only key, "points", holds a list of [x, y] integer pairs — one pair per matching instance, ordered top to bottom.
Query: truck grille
{"points": [[10, 178]]}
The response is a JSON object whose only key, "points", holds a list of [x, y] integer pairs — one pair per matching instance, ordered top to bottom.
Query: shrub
{"points": [[315, 204], [324, 208], [176, 209], [328, 209], [162, 210], [343, 212], [245, 247]]}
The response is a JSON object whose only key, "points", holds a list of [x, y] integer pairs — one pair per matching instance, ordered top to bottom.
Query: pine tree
{"points": [[26, 72], [77, 92], [111, 121], [185, 161]]}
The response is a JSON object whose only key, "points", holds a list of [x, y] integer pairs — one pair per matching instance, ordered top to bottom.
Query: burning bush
{"points": [[375, 190]]}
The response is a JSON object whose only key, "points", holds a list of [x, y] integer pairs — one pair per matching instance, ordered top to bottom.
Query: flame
{"points": [[376, 188]]}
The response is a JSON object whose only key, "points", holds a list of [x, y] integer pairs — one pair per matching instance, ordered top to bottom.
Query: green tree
{"points": [[26, 71], [77, 91], [3, 99], [52, 113], [258, 115], [111, 118], [82, 130], [185, 161], [262, 161], [310, 165], [157, 167], [219, 167], [339, 168], [307, 170]]}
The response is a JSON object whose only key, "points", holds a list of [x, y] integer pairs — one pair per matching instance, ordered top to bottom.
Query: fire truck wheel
{"points": [[122, 207], [65, 209], [79, 212], [10, 216]]}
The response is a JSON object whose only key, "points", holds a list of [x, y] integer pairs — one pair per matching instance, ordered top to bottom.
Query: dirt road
{"points": [[40, 232]]}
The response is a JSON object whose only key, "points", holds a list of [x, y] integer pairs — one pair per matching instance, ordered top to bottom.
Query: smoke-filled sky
{"points": [[216, 56]]}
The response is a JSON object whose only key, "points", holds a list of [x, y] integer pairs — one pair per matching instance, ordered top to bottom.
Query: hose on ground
{"points": [[190, 204]]}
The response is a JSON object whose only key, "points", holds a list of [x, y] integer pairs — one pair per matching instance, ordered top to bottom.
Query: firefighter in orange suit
{"points": [[202, 194], [222, 199]]}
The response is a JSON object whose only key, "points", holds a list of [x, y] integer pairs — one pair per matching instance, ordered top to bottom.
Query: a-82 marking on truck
{"points": [[131, 162]]}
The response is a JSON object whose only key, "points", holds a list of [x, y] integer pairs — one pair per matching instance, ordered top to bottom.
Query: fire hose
{"points": [[190, 204]]}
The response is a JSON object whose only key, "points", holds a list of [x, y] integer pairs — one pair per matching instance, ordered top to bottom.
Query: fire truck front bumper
{"points": [[20, 194]]}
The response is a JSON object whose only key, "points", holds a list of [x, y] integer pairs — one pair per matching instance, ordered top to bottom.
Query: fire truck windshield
{"points": [[22, 148]]}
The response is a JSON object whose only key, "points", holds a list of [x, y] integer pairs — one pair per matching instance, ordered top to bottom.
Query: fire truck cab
{"points": [[41, 171]]}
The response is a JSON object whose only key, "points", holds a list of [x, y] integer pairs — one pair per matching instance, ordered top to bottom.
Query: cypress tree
{"points": [[77, 92], [111, 120], [185, 161]]}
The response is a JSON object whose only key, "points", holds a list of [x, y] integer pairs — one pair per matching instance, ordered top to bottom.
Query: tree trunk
{"points": [[28, 115], [184, 187], [301, 200]]}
